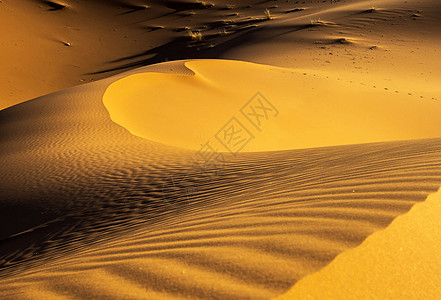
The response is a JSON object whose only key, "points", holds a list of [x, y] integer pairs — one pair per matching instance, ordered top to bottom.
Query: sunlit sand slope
{"points": [[52, 45], [296, 108], [89, 210], [401, 261]]}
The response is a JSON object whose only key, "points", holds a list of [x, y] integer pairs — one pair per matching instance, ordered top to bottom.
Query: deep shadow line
{"points": [[212, 46]]}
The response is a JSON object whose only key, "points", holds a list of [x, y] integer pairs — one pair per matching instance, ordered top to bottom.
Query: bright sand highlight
{"points": [[313, 108]]}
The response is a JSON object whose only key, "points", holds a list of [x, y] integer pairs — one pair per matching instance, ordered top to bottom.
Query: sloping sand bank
{"points": [[400, 262]]}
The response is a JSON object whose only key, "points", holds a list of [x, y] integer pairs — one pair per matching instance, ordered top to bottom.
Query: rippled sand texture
{"points": [[100, 196], [97, 224], [401, 261]]}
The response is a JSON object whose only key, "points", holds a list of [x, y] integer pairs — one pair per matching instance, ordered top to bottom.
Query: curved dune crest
{"points": [[293, 109], [399, 262]]}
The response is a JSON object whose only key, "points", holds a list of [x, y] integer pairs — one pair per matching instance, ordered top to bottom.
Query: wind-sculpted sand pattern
{"points": [[225, 149], [104, 220], [241, 236], [387, 265]]}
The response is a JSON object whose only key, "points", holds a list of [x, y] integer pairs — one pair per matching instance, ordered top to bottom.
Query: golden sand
{"points": [[188, 110], [333, 194], [401, 261]]}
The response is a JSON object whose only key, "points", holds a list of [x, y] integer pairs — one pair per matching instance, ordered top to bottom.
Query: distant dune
{"points": [[219, 150]]}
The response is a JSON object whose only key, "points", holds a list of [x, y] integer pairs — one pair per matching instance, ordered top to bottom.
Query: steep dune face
{"points": [[294, 108], [52, 147]]}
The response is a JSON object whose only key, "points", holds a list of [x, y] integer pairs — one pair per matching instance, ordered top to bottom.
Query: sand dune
{"points": [[392, 46], [294, 114], [105, 187], [266, 220], [250, 239], [247, 247], [400, 262]]}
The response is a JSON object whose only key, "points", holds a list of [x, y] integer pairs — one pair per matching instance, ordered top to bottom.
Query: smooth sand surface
{"points": [[299, 110], [104, 192]]}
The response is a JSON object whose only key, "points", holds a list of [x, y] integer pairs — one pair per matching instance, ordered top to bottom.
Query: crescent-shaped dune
{"points": [[187, 110]]}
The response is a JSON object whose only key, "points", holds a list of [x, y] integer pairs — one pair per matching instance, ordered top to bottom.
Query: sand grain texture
{"points": [[333, 197], [401, 261]]}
